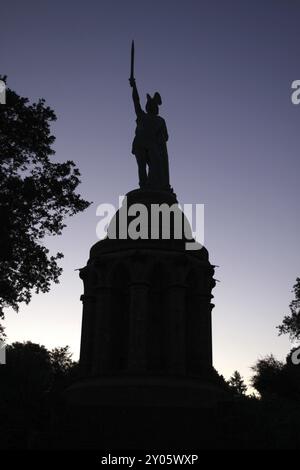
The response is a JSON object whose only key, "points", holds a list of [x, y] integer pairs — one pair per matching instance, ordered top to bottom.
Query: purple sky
{"points": [[224, 70]]}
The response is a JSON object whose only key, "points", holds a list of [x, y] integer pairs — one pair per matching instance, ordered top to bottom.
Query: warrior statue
{"points": [[150, 141]]}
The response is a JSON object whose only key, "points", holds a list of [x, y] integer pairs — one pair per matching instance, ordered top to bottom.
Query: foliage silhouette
{"points": [[36, 195], [291, 323], [30, 375], [267, 375], [275, 379], [237, 384]]}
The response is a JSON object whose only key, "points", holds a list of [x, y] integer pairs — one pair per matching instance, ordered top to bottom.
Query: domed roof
{"points": [[150, 220]]}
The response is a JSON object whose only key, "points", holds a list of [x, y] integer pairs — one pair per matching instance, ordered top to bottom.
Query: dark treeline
{"points": [[34, 378], [29, 382]]}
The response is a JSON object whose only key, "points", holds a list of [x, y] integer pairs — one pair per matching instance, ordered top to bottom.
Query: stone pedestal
{"points": [[146, 304], [146, 347]]}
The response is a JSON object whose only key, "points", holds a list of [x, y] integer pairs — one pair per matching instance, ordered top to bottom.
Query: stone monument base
{"points": [[147, 379], [141, 392], [136, 413]]}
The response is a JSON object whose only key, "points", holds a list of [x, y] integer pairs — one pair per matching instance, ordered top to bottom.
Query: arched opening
{"points": [[119, 305], [193, 325], [198, 325], [156, 328]]}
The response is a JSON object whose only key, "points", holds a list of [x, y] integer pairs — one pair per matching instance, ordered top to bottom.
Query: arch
{"points": [[119, 311], [157, 324], [198, 325]]}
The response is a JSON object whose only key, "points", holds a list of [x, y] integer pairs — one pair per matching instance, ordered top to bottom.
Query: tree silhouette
{"points": [[36, 195], [291, 323], [61, 359], [28, 365], [63, 369], [31, 374], [267, 376], [277, 379], [237, 384]]}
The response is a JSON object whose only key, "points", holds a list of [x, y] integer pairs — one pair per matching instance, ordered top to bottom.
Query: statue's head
{"points": [[153, 103]]}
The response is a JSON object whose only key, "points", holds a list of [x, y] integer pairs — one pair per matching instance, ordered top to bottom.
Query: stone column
{"points": [[209, 307], [202, 323], [175, 330], [87, 333], [102, 336], [137, 360]]}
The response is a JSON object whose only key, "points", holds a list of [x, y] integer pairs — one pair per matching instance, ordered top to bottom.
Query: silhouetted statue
{"points": [[150, 142]]}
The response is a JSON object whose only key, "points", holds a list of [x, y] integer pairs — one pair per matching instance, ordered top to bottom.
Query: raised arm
{"points": [[135, 97]]}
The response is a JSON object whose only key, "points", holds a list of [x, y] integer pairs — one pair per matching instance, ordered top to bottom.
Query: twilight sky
{"points": [[224, 69]]}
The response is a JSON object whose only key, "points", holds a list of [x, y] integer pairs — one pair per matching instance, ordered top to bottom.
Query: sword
{"points": [[132, 62]]}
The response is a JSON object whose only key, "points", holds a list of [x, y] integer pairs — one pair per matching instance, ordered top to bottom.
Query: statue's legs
{"points": [[142, 166], [166, 175], [158, 177], [154, 178]]}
